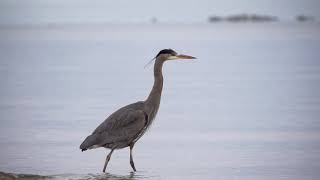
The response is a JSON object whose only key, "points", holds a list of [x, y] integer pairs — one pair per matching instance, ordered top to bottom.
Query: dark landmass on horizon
{"points": [[255, 18]]}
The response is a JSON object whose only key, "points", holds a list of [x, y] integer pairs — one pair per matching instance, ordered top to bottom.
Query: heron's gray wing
{"points": [[123, 126]]}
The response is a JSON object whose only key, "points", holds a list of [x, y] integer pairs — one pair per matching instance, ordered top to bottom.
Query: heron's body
{"points": [[125, 126]]}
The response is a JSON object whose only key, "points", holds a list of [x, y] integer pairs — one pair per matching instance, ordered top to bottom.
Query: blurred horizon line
{"points": [[42, 24]]}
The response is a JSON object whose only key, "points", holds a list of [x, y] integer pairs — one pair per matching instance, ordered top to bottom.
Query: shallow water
{"points": [[247, 108]]}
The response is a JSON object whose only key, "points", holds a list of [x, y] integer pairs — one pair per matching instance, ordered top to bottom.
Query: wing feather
{"points": [[123, 126]]}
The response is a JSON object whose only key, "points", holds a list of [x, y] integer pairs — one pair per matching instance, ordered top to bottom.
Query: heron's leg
{"points": [[131, 159], [107, 160]]}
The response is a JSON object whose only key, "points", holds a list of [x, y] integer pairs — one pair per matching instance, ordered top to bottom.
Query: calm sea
{"points": [[247, 108]]}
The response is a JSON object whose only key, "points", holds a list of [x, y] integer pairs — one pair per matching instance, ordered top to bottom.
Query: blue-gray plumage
{"points": [[124, 127]]}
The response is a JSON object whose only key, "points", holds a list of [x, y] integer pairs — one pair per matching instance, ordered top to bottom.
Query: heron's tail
{"points": [[89, 142]]}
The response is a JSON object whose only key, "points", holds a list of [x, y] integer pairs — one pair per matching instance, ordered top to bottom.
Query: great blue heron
{"points": [[124, 127]]}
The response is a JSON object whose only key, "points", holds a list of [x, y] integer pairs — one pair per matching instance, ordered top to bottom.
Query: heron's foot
{"points": [[132, 165]]}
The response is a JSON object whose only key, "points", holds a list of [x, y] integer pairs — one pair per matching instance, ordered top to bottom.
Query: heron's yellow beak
{"points": [[181, 56]]}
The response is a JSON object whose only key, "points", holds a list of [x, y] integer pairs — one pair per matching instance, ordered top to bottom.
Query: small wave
{"points": [[13, 176]]}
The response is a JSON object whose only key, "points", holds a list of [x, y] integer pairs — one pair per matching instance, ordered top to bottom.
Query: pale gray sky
{"points": [[122, 11]]}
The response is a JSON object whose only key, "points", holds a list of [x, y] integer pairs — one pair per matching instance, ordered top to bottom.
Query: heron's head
{"points": [[169, 54]]}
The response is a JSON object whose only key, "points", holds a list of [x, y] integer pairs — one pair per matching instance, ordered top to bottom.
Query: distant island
{"points": [[243, 18], [304, 18]]}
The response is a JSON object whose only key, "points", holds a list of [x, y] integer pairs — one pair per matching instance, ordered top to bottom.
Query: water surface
{"points": [[247, 108]]}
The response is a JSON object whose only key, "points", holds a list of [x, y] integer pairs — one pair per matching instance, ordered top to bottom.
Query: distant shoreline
{"points": [[241, 18], [255, 18], [214, 19], [58, 25]]}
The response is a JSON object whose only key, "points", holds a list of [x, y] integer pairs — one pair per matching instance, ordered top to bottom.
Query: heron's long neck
{"points": [[155, 94]]}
